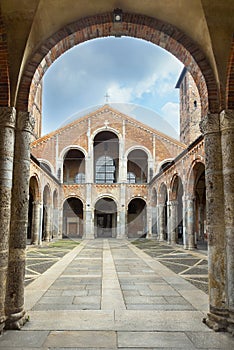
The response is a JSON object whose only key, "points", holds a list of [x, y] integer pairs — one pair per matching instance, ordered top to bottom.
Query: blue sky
{"points": [[131, 71]]}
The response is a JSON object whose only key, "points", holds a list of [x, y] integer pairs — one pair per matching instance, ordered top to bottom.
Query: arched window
{"points": [[105, 170], [131, 177]]}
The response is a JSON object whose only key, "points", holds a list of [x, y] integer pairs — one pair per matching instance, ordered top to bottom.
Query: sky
{"points": [[131, 71]]}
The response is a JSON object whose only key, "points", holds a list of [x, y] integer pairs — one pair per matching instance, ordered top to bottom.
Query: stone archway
{"points": [[194, 59], [176, 211], [73, 218], [105, 218], [136, 218], [33, 234]]}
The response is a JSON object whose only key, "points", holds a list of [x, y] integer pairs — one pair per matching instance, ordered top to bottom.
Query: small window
{"points": [[195, 104]]}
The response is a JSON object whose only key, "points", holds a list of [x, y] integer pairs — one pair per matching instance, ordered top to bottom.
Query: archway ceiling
{"points": [[29, 23]]}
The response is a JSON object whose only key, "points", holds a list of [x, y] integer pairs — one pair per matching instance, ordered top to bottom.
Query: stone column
{"points": [[210, 127], [7, 139], [227, 142], [122, 213], [36, 219], [161, 219], [149, 221], [173, 222], [48, 223], [190, 223], [89, 224], [185, 234], [14, 304]]}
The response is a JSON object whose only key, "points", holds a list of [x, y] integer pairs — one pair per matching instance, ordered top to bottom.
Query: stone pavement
{"points": [[108, 294]]}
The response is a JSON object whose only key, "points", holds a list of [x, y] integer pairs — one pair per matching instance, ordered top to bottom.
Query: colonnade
{"points": [[15, 137]]}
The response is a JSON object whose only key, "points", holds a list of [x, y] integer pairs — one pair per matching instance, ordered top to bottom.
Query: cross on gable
{"points": [[107, 97]]}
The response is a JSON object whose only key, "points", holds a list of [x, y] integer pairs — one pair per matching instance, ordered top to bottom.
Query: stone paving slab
{"points": [[123, 274], [30, 339], [83, 339], [152, 339]]}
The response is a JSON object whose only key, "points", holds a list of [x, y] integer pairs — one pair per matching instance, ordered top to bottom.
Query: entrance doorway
{"points": [[105, 218]]}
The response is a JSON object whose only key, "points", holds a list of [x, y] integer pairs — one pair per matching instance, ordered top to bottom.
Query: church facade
{"points": [[108, 175], [91, 178]]}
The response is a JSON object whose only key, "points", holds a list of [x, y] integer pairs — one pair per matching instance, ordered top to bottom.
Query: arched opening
{"points": [[106, 157], [45, 166], [137, 166], [74, 167], [154, 201], [200, 205], [176, 210], [33, 212], [73, 218], [105, 218], [136, 218]]}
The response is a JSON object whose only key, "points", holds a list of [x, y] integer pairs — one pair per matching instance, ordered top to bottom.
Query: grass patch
{"points": [[63, 243]]}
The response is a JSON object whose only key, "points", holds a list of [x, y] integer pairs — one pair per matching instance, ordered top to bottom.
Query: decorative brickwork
{"points": [[133, 25]]}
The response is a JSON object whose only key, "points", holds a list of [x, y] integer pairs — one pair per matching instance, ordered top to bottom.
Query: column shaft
{"points": [[210, 126], [7, 138], [227, 139], [36, 218], [161, 219], [173, 222], [190, 224], [14, 303]]}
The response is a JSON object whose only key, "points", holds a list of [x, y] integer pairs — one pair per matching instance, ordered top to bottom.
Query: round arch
{"points": [[133, 25], [106, 128], [70, 147], [138, 147], [47, 165], [189, 188], [106, 195], [73, 217], [105, 217], [137, 217]]}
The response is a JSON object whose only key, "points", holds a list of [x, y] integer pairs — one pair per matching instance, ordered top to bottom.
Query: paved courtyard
{"points": [[109, 294]]}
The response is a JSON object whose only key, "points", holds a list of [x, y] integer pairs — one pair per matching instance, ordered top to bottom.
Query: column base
{"points": [[230, 320], [16, 321], [217, 321], [2, 323]]}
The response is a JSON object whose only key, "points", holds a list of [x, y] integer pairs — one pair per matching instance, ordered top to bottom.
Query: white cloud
{"points": [[120, 94], [170, 112]]}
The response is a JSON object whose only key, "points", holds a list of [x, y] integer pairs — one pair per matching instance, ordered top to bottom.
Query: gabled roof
{"points": [[108, 108]]}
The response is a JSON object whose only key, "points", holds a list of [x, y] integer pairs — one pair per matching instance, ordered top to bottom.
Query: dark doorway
{"points": [[105, 218]]}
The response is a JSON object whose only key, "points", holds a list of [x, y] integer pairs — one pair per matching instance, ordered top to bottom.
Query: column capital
{"points": [[7, 117], [227, 119], [25, 121], [210, 123]]}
